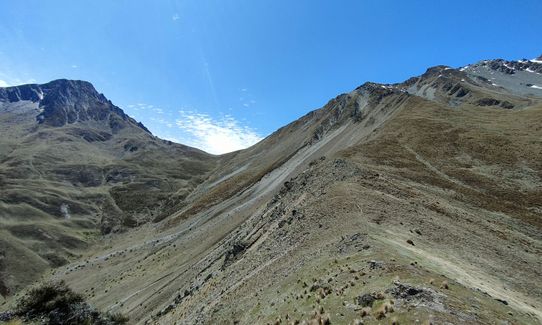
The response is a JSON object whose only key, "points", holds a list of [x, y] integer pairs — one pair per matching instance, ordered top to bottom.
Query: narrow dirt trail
{"points": [[436, 170], [467, 275]]}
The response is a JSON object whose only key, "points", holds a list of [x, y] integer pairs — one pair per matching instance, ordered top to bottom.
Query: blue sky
{"points": [[220, 75]]}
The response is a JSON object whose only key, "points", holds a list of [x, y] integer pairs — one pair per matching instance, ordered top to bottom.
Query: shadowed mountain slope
{"points": [[73, 166]]}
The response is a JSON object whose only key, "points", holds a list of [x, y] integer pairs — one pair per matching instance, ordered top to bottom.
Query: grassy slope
{"points": [[104, 185], [429, 192], [452, 201], [486, 247]]}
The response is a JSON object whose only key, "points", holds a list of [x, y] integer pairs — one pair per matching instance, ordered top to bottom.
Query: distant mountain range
{"points": [[419, 201]]}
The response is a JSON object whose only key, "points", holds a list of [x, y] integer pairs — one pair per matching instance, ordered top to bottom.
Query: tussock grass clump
{"points": [[385, 308], [365, 311], [118, 318]]}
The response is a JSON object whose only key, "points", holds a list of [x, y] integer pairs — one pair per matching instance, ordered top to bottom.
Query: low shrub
{"points": [[55, 303]]}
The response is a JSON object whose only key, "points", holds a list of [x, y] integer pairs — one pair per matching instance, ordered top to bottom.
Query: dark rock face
{"points": [[501, 66], [510, 67], [456, 90], [25, 92], [69, 101], [494, 102], [234, 253], [404, 291], [411, 294], [366, 300], [6, 316]]}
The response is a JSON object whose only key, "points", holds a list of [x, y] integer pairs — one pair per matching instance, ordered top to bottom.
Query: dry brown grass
{"points": [[461, 144]]}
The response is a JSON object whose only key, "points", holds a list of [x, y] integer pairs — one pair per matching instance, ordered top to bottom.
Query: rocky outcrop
{"points": [[510, 67], [64, 102]]}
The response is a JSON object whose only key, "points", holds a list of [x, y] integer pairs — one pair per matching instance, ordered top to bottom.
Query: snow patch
{"points": [[536, 87]]}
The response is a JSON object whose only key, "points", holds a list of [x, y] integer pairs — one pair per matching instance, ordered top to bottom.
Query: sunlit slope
{"points": [[422, 196]]}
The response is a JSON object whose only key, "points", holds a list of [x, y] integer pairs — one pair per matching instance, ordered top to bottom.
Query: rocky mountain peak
{"points": [[512, 67], [436, 70], [78, 89], [376, 91], [31, 92], [63, 102]]}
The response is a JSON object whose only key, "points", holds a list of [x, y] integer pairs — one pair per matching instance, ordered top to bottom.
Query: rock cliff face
{"points": [[63, 102]]}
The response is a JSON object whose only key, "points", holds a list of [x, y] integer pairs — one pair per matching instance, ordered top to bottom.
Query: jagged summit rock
{"points": [[63, 102]]}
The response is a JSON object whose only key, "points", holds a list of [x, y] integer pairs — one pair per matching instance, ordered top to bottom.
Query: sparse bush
{"points": [[46, 298], [56, 303], [118, 318]]}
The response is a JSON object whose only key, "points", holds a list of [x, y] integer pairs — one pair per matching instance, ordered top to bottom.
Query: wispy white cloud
{"points": [[175, 17], [75, 66], [9, 81], [210, 81], [246, 99], [144, 107], [162, 121], [215, 136]]}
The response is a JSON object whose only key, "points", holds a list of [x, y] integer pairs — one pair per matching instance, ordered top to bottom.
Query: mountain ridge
{"points": [[64, 101], [422, 195]]}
